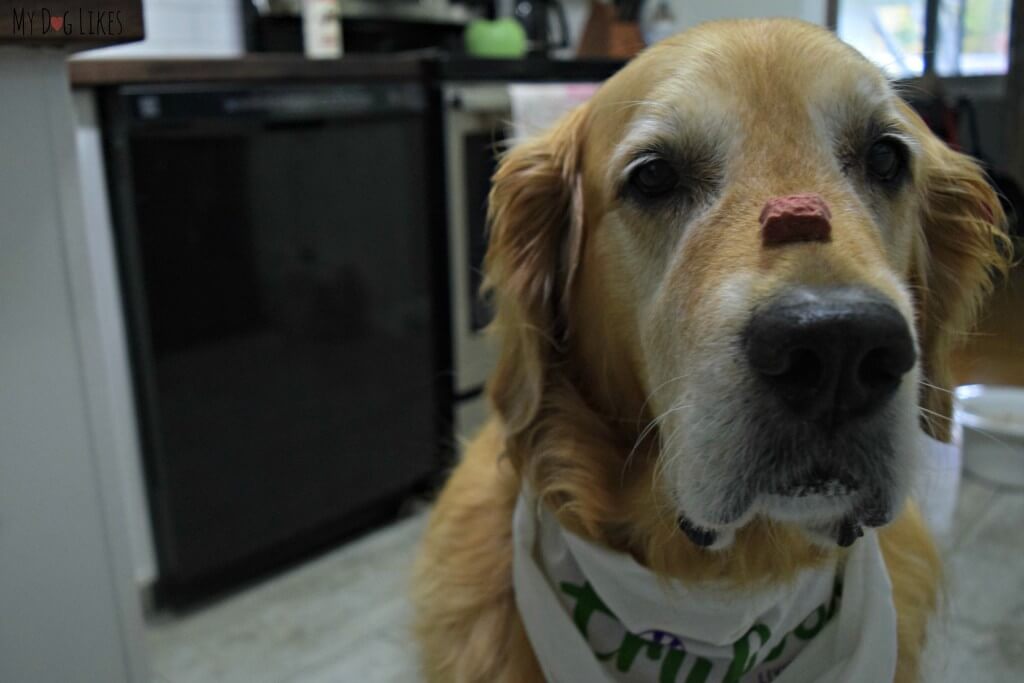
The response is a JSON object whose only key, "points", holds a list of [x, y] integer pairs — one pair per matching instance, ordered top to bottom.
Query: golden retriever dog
{"points": [[726, 290]]}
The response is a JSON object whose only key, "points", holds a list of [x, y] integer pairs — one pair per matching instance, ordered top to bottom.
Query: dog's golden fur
{"points": [[571, 390]]}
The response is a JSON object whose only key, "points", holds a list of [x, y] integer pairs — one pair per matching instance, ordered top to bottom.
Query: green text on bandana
{"points": [[749, 651]]}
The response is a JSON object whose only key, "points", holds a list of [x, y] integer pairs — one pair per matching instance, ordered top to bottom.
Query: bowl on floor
{"points": [[992, 420]]}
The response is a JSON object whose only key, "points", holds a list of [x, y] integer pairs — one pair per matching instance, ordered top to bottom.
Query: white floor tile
{"points": [[973, 502], [986, 570], [346, 609], [980, 637], [963, 653], [376, 660]]}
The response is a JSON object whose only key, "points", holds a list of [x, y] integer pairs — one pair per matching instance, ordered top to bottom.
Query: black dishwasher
{"points": [[285, 291]]}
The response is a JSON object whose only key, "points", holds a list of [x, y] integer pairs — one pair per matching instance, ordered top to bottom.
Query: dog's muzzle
{"points": [[828, 361]]}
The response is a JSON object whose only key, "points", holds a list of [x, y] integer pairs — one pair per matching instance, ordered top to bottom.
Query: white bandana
{"points": [[596, 616]]}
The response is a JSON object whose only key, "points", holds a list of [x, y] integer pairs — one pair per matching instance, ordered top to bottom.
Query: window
{"points": [[891, 34], [972, 37]]}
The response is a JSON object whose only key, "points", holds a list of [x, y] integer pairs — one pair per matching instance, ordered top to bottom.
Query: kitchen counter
{"points": [[261, 67], [291, 67], [530, 69]]}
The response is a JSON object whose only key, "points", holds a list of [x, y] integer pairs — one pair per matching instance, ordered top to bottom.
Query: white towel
{"points": [[537, 106]]}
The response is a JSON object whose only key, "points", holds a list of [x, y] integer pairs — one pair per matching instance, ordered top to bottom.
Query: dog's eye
{"points": [[886, 160], [654, 178]]}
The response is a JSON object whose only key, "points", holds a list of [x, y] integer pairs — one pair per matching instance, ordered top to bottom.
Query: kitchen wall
{"points": [[689, 12], [692, 12], [187, 28]]}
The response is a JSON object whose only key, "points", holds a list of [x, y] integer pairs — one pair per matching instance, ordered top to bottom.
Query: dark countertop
{"points": [[262, 67], [293, 67], [451, 68]]}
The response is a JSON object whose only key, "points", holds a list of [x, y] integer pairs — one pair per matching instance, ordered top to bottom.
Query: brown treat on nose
{"points": [[796, 218]]}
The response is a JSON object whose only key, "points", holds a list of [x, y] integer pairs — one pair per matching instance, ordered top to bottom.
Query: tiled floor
{"points": [[344, 617], [338, 619], [981, 637]]}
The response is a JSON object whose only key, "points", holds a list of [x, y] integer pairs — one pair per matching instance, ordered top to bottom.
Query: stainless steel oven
{"points": [[477, 118]]}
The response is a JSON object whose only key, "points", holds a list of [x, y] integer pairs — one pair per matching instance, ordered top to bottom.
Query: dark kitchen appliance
{"points": [[536, 17], [285, 280]]}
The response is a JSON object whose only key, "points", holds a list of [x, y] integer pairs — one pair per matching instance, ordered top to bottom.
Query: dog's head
{"points": [[726, 290]]}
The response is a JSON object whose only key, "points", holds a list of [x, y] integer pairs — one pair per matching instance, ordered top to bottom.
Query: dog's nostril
{"points": [[830, 352], [804, 368], [879, 368]]}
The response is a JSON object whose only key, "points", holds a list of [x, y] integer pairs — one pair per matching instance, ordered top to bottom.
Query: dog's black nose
{"points": [[830, 353]]}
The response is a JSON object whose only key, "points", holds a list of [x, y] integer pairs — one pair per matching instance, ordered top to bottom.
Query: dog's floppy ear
{"points": [[536, 222], [962, 245]]}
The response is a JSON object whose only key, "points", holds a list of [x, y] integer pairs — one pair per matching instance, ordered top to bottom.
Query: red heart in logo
{"points": [[56, 23]]}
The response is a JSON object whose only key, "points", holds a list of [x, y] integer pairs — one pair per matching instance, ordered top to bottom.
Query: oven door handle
{"points": [[482, 100], [296, 124]]}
